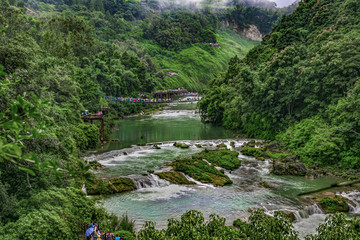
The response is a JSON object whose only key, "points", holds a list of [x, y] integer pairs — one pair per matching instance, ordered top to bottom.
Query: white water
{"points": [[355, 198], [158, 200]]}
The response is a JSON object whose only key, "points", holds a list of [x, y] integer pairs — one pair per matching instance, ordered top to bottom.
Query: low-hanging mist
{"points": [[269, 4]]}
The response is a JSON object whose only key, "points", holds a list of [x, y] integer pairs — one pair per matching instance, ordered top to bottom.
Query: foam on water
{"points": [[176, 114], [198, 183], [161, 193], [354, 197], [309, 225]]}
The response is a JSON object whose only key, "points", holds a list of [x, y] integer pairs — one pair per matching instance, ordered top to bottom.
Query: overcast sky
{"points": [[283, 3]]}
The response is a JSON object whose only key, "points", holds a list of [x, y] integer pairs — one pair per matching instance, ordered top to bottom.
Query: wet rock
{"points": [[250, 144], [181, 145], [221, 145], [156, 146], [275, 147], [252, 151], [289, 159], [96, 165], [289, 168], [174, 177], [265, 184], [114, 185], [334, 204], [290, 215]]}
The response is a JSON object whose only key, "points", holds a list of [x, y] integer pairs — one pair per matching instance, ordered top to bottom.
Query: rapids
{"points": [[158, 200]]}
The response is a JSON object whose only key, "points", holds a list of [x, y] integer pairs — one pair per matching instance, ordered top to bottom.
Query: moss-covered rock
{"points": [[232, 144], [251, 144], [181, 145], [198, 145], [221, 145], [156, 146], [252, 151], [224, 158], [283, 161], [96, 165], [295, 168], [201, 171], [174, 177], [265, 184], [114, 185], [334, 204], [290, 215]]}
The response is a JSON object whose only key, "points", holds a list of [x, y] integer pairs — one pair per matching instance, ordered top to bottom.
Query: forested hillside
{"points": [[300, 86]]}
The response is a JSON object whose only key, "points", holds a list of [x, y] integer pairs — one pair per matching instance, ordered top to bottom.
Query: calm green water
{"points": [[179, 122], [158, 200]]}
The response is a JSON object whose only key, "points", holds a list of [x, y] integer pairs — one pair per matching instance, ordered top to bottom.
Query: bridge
{"points": [[163, 96], [149, 100]]}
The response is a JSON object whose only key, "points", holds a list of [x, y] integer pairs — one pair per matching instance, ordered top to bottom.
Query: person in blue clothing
{"points": [[117, 237]]}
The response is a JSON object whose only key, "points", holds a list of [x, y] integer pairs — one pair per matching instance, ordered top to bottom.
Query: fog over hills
{"points": [[270, 4]]}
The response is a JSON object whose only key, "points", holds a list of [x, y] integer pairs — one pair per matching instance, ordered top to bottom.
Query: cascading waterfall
{"points": [[149, 181], [354, 197], [307, 211]]}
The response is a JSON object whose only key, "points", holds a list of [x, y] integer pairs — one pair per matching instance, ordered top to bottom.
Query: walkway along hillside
{"points": [[163, 96]]}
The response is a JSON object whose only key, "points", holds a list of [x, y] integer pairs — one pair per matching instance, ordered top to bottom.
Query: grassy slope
{"points": [[198, 64]]}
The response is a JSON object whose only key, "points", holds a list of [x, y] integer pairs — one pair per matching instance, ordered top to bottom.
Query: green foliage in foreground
{"points": [[300, 86], [222, 158], [56, 214], [192, 225], [337, 226], [125, 235]]}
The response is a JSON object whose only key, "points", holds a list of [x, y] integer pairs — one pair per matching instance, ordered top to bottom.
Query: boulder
{"points": [[289, 168]]}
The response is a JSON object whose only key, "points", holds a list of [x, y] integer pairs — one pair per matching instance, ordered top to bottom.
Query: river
{"points": [[158, 200]]}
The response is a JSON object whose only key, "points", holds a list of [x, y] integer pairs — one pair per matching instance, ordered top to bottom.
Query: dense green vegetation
{"points": [[300, 86], [192, 225]]}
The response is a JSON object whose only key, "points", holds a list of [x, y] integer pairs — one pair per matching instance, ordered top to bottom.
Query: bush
{"points": [[126, 224], [125, 235]]}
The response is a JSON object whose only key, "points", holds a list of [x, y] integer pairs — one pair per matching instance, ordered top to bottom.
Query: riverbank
{"points": [[285, 162]]}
